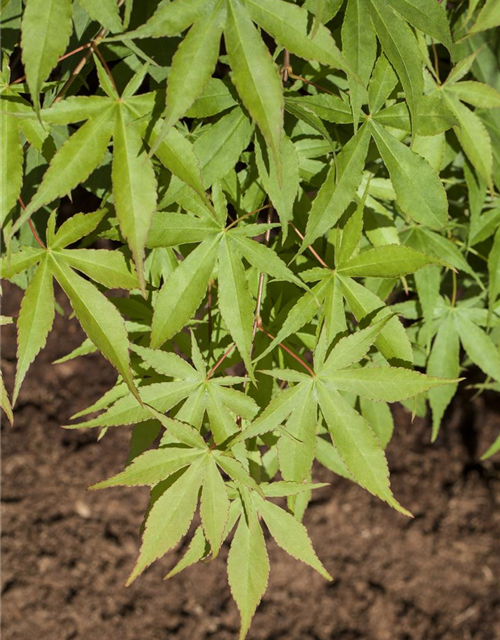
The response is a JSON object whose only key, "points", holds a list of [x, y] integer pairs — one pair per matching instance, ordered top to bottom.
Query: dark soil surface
{"points": [[67, 553]]}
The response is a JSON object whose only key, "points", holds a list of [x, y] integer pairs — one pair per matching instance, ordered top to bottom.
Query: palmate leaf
{"points": [[104, 11], [46, 29], [400, 46], [360, 49], [193, 64], [252, 69], [73, 163], [11, 172], [134, 189], [418, 189], [336, 193], [183, 292], [235, 301], [36, 317], [98, 317], [444, 361], [214, 506], [170, 517], [290, 535], [248, 568]]}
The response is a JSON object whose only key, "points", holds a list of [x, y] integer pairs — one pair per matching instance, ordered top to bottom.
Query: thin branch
{"points": [[66, 55]]}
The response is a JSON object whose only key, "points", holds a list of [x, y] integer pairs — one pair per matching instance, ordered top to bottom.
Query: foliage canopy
{"points": [[298, 203]]}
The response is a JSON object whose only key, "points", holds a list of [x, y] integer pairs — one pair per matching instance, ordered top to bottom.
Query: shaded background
{"points": [[67, 552]]}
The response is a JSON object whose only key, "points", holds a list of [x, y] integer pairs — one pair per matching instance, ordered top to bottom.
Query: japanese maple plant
{"points": [[291, 220]]}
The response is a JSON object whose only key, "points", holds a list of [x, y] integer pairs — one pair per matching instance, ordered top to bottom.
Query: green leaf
{"points": [[104, 11], [426, 15], [488, 18], [170, 19], [289, 25], [46, 29], [400, 47], [360, 50], [193, 64], [253, 70], [382, 84], [475, 93], [214, 99], [328, 107], [434, 117], [473, 136], [177, 155], [72, 164], [11, 175], [134, 189], [419, 191], [281, 193], [336, 194], [76, 228], [172, 229], [263, 258], [19, 261], [387, 261], [106, 267], [494, 270], [183, 292], [235, 302], [300, 314], [36, 317], [99, 319], [393, 343], [479, 346], [354, 347], [444, 361], [166, 364], [390, 384], [5, 402], [127, 410], [277, 411], [379, 417], [357, 445], [494, 448], [296, 458], [151, 467], [235, 470], [214, 506], [170, 517], [290, 535], [198, 548], [248, 569]]}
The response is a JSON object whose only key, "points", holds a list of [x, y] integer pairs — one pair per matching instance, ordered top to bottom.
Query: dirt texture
{"points": [[67, 552]]}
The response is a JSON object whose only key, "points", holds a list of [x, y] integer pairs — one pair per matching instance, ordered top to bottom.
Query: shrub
{"points": [[300, 231]]}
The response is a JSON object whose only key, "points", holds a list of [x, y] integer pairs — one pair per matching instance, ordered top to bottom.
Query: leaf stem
{"points": [[66, 55], [106, 68], [295, 77], [247, 215], [32, 227], [311, 248], [454, 290], [289, 351], [220, 361]]}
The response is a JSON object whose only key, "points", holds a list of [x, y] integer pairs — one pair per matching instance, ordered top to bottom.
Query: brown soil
{"points": [[67, 553]]}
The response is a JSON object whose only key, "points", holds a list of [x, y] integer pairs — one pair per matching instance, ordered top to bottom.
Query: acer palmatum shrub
{"points": [[300, 200]]}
